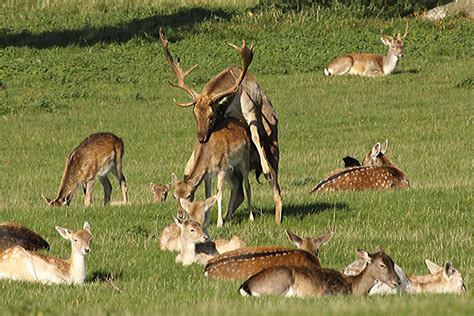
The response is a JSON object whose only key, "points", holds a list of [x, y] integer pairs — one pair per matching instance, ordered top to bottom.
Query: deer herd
{"points": [[236, 132]]}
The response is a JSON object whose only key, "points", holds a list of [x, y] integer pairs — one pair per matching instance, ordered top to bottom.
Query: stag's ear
{"points": [[174, 178], [295, 239], [323, 239], [433, 267]]}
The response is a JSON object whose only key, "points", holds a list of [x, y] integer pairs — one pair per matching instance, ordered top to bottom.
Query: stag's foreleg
{"points": [[107, 189], [220, 193], [88, 194]]}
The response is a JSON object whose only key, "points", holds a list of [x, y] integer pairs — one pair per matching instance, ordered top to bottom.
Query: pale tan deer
{"points": [[370, 65], [234, 93], [227, 149], [93, 159], [377, 172], [159, 191], [191, 233], [14, 234], [245, 262], [19, 264], [317, 281]]}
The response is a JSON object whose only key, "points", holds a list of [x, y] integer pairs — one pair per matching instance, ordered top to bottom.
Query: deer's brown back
{"points": [[13, 234]]}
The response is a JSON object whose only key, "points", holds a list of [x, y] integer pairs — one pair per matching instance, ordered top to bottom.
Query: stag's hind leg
{"points": [[339, 66], [117, 171], [107, 189]]}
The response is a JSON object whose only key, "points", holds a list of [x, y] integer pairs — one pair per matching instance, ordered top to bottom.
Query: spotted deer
{"points": [[370, 65], [234, 93], [227, 149], [93, 159], [377, 172], [159, 191], [14, 234], [245, 262], [17, 263], [317, 281]]}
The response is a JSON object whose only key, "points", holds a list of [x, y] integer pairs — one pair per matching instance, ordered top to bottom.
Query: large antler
{"points": [[404, 35], [246, 53], [179, 72]]}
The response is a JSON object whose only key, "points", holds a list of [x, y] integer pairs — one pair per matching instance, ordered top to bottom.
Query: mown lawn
{"points": [[67, 72]]}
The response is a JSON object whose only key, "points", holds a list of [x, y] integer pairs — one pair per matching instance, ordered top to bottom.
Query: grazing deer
{"points": [[370, 65], [234, 93], [227, 149], [92, 159], [377, 172], [159, 191], [191, 233], [14, 234], [245, 262], [19, 264], [316, 281]]}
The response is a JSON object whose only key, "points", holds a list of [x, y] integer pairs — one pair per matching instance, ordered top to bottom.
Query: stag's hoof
{"points": [[251, 218], [220, 223]]}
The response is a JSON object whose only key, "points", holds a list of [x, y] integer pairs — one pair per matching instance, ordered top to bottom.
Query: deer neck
{"points": [[389, 62], [199, 169], [188, 252], [77, 268], [362, 283]]}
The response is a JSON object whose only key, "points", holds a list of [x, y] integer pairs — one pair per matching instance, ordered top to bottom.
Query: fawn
{"points": [[159, 191]]}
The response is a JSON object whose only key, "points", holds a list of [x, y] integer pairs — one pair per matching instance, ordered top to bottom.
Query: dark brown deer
{"points": [[234, 93], [93, 159], [377, 172], [14, 234]]}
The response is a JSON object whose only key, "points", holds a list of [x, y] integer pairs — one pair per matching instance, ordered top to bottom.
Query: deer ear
{"points": [[386, 41], [384, 148], [375, 151], [174, 178], [151, 186], [67, 198], [46, 199], [210, 202], [184, 203], [178, 221], [87, 226], [64, 232], [295, 239], [323, 239], [379, 249], [364, 256], [433, 267], [448, 269]]}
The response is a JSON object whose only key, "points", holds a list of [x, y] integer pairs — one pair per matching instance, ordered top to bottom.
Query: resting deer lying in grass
{"points": [[370, 65], [234, 93], [227, 149], [93, 159], [377, 172], [159, 191], [191, 233], [13, 234], [245, 262], [19, 264], [440, 280], [316, 281]]}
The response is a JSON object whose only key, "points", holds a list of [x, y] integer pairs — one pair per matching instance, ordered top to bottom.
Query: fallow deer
{"points": [[370, 65], [234, 93], [227, 149], [93, 159], [377, 172], [159, 191], [191, 233], [14, 234], [245, 262], [19, 264], [317, 281]]}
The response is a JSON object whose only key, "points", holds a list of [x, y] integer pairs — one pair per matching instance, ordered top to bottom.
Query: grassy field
{"points": [[67, 71]]}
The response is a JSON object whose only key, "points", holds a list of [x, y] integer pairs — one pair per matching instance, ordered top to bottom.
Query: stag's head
{"points": [[395, 44], [206, 104]]}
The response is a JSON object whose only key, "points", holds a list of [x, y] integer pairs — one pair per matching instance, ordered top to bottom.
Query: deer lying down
{"points": [[93, 159], [377, 172], [159, 191], [14, 234], [245, 262], [19, 264], [440, 280], [317, 281]]}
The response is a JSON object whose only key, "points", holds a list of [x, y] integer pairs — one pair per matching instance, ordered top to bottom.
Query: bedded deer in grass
{"points": [[370, 65], [234, 93], [227, 149], [93, 159], [377, 172], [159, 191], [191, 233], [14, 234], [245, 262], [17, 263], [317, 281]]}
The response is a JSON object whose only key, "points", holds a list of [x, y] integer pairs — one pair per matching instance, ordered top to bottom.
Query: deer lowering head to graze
{"points": [[370, 65], [234, 93], [227, 149], [93, 159], [377, 172], [159, 191], [191, 233], [14, 234], [245, 262], [19, 264], [317, 281]]}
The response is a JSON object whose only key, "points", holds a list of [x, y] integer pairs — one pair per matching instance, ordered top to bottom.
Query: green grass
{"points": [[66, 73]]}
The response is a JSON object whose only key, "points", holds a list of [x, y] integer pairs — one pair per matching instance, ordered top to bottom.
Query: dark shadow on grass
{"points": [[185, 19], [407, 71], [104, 276]]}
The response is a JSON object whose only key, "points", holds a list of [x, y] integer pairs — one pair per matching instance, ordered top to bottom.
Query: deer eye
{"points": [[192, 230], [75, 239], [383, 266]]}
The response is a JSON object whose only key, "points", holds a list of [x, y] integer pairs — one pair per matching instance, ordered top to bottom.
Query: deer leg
{"points": [[260, 149], [235, 183], [123, 185], [208, 186], [107, 189], [248, 191], [220, 193], [88, 196]]}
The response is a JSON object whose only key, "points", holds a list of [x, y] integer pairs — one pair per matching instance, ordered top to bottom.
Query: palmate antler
{"points": [[179, 72]]}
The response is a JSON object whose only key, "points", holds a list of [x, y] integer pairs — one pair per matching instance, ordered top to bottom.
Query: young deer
{"points": [[370, 65], [234, 93], [227, 149], [93, 159], [377, 172], [159, 191], [191, 233], [14, 234], [245, 262], [19, 264], [316, 281]]}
